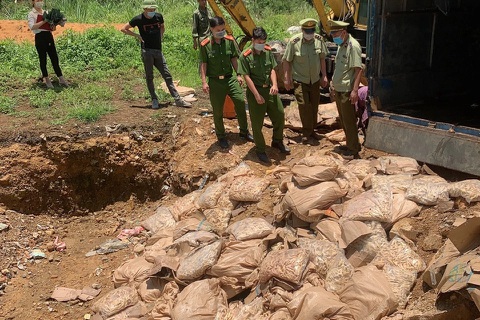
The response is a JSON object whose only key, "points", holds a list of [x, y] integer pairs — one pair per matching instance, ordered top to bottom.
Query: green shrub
{"points": [[7, 105]]}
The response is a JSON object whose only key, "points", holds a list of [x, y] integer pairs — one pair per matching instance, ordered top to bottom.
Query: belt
{"points": [[222, 77], [262, 85]]}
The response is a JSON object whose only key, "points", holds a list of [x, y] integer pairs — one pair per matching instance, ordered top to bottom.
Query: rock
{"points": [[4, 226], [432, 242]]}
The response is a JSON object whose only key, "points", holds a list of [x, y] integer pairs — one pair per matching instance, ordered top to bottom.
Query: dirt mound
{"points": [[18, 29]]}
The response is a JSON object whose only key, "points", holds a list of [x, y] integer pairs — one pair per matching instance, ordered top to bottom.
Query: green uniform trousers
{"points": [[219, 88], [308, 98], [274, 109], [348, 120]]}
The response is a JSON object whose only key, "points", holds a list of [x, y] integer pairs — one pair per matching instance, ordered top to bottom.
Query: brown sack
{"points": [[305, 175], [318, 196], [250, 228], [238, 259], [198, 261], [287, 265], [135, 270], [151, 289], [368, 294], [201, 300], [115, 301], [315, 303], [164, 305]]}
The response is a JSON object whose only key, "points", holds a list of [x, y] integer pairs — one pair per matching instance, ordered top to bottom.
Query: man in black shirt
{"points": [[151, 27]]}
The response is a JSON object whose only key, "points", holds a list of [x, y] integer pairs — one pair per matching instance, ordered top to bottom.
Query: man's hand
{"points": [[195, 44], [240, 80], [324, 82], [205, 87], [273, 90], [354, 96], [259, 99]]}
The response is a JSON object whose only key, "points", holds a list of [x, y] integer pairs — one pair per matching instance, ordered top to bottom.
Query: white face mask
{"points": [[39, 5], [220, 34], [308, 36], [259, 46]]}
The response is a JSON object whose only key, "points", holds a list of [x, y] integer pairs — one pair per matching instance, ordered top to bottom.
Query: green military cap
{"points": [[149, 4], [308, 23], [337, 25]]}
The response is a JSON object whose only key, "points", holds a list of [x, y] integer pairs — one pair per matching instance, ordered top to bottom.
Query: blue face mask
{"points": [[151, 14], [338, 40]]}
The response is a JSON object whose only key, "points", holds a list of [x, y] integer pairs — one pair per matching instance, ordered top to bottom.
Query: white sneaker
{"points": [[182, 103]]}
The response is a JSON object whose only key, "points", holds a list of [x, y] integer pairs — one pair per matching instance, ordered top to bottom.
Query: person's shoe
{"points": [[63, 82], [48, 83], [182, 103], [155, 104], [247, 136], [317, 136], [305, 140], [223, 143], [280, 146], [350, 155], [262, 156]]}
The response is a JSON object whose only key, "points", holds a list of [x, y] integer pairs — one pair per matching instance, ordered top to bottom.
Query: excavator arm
{"points": [[337, 9], [239, 13]]}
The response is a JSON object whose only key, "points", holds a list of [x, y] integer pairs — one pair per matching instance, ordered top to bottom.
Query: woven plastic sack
{"points": [[321, 160], [397, 165], [361, 168], [243, 169], [305, 175], [397, 182], [247, 188], [468, 189], [428, 190], [319, 196], [209, 198], [374, 204], [185, 206], [403, 208], [218, 218], [162, 219], [191, 224], [250, 228], [197, 238], [367, 246], [399, 254], [329, 261], [194, 265], [287, 265], [134, 271], [401, 282], [151, 289], [368, 294], [201, 300], [115, 301], [315, 303], [164, 305]]}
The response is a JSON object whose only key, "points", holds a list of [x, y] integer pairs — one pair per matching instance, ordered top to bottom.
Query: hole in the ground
{"points": [[71, 178]]}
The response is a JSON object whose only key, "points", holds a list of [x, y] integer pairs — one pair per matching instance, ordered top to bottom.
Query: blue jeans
{"points": [[151, 58]]}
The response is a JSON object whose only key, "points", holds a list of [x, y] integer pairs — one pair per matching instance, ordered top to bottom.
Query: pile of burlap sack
{"points": [[323, 254]]}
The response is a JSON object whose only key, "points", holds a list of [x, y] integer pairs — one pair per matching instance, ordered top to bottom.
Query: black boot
{"points": [[247, 136], [280, 146], [262, 156]]}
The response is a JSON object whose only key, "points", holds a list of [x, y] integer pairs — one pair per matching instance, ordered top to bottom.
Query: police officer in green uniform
{"points": [[200, 23], [218, 55], [304, 63], [257, 65], [345, 83]]}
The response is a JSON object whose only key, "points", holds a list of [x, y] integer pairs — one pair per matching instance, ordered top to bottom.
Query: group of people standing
{"points": [[223, 71], [305, 72]]}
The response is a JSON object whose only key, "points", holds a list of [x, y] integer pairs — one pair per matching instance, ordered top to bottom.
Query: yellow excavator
{"points": [[238, 11], [353, 11]]}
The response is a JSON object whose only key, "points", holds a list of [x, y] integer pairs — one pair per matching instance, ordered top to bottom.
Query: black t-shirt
{"points": [[149, 30]]}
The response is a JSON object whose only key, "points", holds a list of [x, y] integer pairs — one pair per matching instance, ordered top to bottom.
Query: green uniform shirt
{"points": [[201, 23], [218, 56], [305, 57], [349, 57], [257, 66]]}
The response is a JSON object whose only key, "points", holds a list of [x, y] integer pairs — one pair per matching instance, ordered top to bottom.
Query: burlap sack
{"points": [[162, 219], [286, 265], [133, 271], [115, 301]]}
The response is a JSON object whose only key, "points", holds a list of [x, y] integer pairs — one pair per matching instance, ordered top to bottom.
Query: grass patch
{"points": [[7, 105], [88, 111]]}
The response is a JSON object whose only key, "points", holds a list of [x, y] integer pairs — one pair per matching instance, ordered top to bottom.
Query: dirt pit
{"points": [[84, 184]]}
